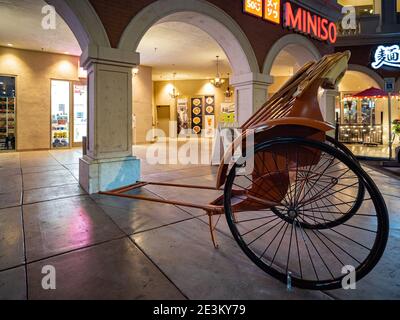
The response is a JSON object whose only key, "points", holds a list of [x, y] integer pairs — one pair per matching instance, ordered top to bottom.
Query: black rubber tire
{"points": [[342, 148], [382, 224]]}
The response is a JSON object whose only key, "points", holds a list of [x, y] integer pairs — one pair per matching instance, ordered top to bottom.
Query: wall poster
{"points": [[228, 113], [183, 115], [197, 115], [209, 116]]}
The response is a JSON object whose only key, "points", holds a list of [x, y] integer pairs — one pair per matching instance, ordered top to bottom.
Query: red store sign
{"points": [[295, 18]]}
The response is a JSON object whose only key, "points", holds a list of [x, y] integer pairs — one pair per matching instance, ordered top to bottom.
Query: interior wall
{"points": [[34, 71], [279, 81], [188, 89], [142, 104]]}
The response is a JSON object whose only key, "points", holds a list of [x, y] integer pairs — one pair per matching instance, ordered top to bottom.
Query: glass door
{"points": [[7, 113], [80, 113], [60, 114]]}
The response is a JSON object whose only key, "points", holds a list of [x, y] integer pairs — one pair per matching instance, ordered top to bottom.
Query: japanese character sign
{"points": [[253, 7], [272, 11], [387, 56]]}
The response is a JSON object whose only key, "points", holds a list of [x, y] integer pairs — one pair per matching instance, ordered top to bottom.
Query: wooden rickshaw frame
{"points": [[294, 106]]}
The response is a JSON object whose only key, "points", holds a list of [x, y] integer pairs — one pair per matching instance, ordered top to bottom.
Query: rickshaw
{"points": [[298, 204]]}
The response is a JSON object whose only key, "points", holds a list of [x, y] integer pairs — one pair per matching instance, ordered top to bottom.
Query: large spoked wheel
{"points": [[341, 147], [308, 183], [351, 206]]}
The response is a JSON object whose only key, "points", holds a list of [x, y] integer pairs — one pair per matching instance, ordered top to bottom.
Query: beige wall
{"points": [[33, 71], [277, 84], [188, 89], [142, 104]]}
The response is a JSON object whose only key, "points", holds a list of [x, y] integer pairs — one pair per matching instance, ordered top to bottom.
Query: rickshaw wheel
{"points": [[341, 147], [353, 207], [281, 245]]}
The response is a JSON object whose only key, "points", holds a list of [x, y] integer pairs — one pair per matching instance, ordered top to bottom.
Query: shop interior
{"points": [[182, 87], [362, 114]]}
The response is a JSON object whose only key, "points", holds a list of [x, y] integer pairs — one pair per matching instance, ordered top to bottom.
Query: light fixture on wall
{"points": [[135, 71], [217, 81], [229, 91], [174, 93]]}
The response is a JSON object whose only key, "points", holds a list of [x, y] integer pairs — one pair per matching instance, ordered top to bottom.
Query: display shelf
{"points": [[7, 123]]}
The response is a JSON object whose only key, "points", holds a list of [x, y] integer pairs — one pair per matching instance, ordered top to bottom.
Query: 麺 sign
{"points": [[270, 10], [294, 18], [303, 21], [386, 56]]}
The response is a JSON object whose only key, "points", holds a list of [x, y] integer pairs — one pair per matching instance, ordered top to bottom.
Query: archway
{"points": [[203, 15], [83, 22], [298, 47], [245, 75], [371, 75], [363, 121]]}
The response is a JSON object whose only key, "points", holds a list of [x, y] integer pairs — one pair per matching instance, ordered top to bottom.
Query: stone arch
{"points": [[202, 14], [83, 21], [290, 41], [369, 72]]}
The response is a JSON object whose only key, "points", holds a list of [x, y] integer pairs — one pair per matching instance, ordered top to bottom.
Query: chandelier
{"points": [[217, 81], [229, 91], [174, 93]]}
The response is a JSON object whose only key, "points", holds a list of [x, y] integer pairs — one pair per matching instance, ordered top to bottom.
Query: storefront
{"points": [[259, 45], [368, 104], [41, 107], [7, 113]]}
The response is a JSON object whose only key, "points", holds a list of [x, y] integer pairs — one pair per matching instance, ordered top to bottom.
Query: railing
{"points": [[360, 134]]}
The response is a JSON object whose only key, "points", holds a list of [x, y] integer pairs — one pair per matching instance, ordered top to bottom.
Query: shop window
{"points": [[363, 7], [80, 112], [7, 113], [60, 113], [363, 124]]}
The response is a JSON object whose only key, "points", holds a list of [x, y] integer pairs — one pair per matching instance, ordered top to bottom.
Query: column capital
{"points": [[94, 54], [251, 78]]}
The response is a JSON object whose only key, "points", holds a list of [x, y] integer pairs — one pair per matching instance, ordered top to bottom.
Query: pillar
{"points": [[388, 18], [251, 91], [328, 106], [109, 163]]}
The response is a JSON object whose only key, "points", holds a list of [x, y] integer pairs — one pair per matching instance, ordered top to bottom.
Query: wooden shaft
{"points": [[212, 208]]}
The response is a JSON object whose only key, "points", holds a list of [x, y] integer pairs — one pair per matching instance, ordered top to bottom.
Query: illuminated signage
{"points": [[254, 7], [272, 11], [294, 18], [304, 21], [387, 56]]}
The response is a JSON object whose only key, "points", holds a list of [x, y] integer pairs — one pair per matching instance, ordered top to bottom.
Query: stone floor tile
{"points": [[60, 226], [114, 270]]}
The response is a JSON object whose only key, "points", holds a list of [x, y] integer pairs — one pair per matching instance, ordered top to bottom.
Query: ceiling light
{"points": [[10, 44], [66, 52], [217, 81], [174, 93]]}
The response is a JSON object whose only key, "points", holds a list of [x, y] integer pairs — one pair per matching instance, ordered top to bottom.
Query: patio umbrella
{"points": [[373, 92]]}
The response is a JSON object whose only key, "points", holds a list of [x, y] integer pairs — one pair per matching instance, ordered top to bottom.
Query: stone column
{"points": [[388, 20], [250, 93], [328, 106], [108, 163]]}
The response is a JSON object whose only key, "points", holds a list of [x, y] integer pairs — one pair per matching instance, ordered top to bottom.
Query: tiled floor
{"points": [[381, 151], [108, 248]]}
